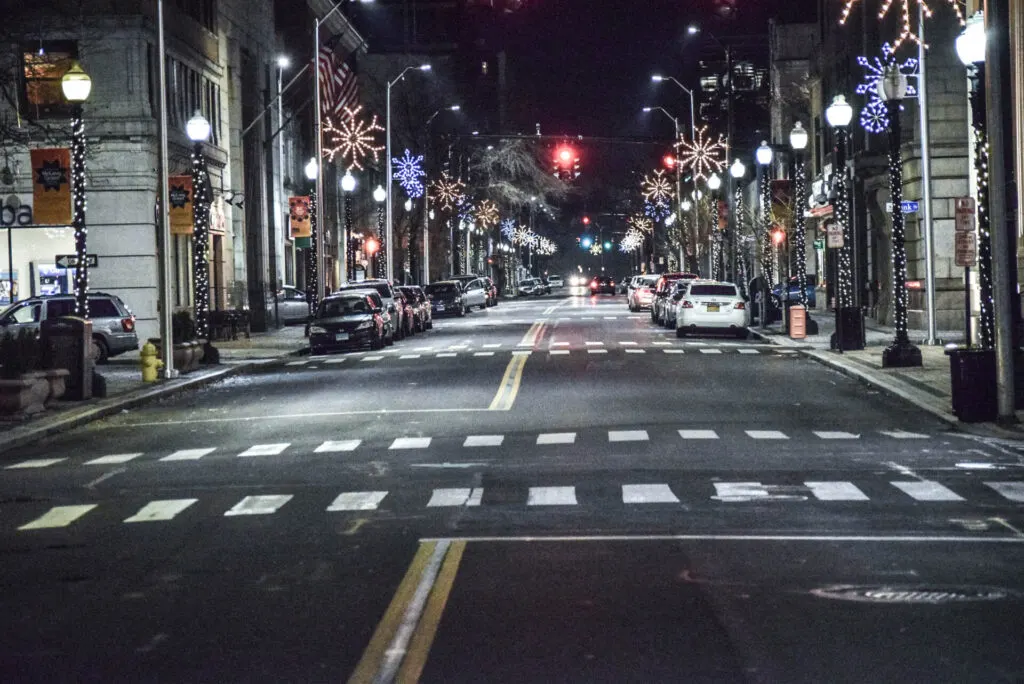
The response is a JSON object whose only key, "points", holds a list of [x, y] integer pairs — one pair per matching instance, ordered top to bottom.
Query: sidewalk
{"points": [[927, 387], [126, 390]]}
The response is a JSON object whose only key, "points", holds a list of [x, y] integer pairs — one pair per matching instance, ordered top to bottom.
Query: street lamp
{"points": [[77, 85], [198, 130], [798, 139], [764, 155], [312, 170], [737, 171], [679, 175], [348, 185], [379, 196], [714, 234], [385, 251], [901, 353]]}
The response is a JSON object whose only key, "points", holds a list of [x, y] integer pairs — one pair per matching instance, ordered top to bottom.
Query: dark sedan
{"points": [[602, 285], [345, 321]]}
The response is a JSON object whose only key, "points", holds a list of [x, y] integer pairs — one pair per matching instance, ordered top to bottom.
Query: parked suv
{"points": [[387, 295], [113, 323]]}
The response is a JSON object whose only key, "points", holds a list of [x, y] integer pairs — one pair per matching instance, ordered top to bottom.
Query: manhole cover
{"points": [[914, 594]]}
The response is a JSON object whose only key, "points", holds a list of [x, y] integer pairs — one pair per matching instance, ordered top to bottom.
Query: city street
{"points": [[554, 489]]}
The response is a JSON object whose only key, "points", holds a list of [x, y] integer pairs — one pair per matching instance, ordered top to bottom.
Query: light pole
{"points": [[77, 85], [198, 130], [798, 139], [764, 157], [737, 171], [679, 174], [348, 185], [379, 196], [426, 199], [714, 236], [385, 249], [313, 284], [848, 334], [901, 353]]}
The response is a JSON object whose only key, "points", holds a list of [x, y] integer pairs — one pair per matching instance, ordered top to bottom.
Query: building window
{"points": [[203, 11], [43, 66], [187, 92]]}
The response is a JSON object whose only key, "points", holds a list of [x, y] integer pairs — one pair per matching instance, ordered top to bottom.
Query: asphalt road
{"points": [[549, 490]]}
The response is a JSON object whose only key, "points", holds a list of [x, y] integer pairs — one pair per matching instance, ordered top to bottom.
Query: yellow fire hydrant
{"points": [[149, 362]]}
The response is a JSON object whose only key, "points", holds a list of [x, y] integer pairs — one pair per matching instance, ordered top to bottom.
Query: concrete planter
{"points": [[187, 355], [57, 379], [24, 396]]}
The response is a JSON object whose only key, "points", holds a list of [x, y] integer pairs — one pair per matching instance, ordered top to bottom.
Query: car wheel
{"points": [[483, 306], [680, 332], [99, 352]]}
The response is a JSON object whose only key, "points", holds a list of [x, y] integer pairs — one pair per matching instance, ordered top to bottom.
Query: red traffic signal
{"points": [[669, 161], [586, 220]]}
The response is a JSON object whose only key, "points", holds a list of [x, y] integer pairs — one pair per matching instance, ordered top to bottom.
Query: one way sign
{"points": [[71, 261]]}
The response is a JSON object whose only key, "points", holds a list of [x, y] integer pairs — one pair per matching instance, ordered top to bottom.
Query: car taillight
{"points": [[593, 283], [687, 304], [740, 305], [128, 324]]}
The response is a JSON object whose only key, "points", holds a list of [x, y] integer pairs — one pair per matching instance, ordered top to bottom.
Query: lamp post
{"points": [[657, 78], [76, 85], [198, 130], [798, 139], [764, 157], [312, 169], [678, 169], [737, 171], [348, 185], [379, 196], [426, 200], [714, 235], [385, 249], [901, 353]]}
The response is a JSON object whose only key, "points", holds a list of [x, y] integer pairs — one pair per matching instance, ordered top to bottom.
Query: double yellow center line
{"points": [[509, 387]]}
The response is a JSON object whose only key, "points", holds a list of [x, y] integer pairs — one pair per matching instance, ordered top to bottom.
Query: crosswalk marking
{"points": [[611, 318], [662, 343], [559, 344], [594, 344], [628, 344], [492, 346], [423, 349], [597, 351], [636, 351], [674, 351], [710, 351], [748, 351], [785, 351], [526, 352], [558, 352], [483, 353], [446, 355], [409, 356], [372, 358], [336, 360], [297, 363], [698, 434], [766, 434], [825, 434], [900, 434], [627, 436], [556, 438], [483, 440], [410, 443], [332, 446], [264, 450], [188, 454], [113, 459], [35, 463], [836, 491], [927, 491], [1014, 491], [648, 493], [462, 496], [551, 496], [357, 501], [259, 505], [160, 510], [58, 516]]}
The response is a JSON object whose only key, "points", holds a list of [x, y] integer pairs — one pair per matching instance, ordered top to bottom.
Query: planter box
{"points": [[187, 355], [24, 396]]}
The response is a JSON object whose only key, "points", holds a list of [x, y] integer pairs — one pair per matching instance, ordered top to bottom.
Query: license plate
{"points": [[440, 307], [713, 308], [340, 337]]}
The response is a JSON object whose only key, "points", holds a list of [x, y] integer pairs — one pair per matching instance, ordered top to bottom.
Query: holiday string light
{"points": [[907, 31], [874, 117], [353, 139], [703, 155], [408, 171], [657, 189], [448, 191], [201, 194], [799, 201], [657, 211], [841, 212], [487, 213], [78, 218], [642, 223], [508, 228], [766, 228], [632, 241], [596, 249], [899, 250], [381, 255], [312, 258], [986, 314]]}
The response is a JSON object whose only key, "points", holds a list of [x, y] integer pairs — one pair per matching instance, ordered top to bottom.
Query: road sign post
{"points": [[966, 253], [71, 260]]}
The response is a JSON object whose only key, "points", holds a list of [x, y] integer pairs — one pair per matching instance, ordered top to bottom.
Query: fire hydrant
{"points": [[149, 362]]}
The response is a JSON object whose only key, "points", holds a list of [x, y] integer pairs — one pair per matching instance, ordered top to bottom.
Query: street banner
{"points": [[51, 186], [180, 200], [298, 213]]}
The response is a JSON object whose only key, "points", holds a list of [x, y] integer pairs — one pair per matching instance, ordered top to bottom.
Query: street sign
{"points": [[908, 206], [965, 215], [834, 236], [819, 244], [966, 250], [71, 260]]}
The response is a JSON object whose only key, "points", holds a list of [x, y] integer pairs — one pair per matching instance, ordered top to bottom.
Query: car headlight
{"points": [[365, 325], [317, 330]]}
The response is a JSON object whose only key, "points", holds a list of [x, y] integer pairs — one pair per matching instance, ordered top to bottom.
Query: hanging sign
{"points": [[51, 186], [180, 200], [964, 214], [299, 219], [834, 235], [966, 249]]}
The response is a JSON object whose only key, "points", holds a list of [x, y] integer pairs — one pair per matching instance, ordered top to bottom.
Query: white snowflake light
{"points": [[907, 31], [352, 140], [703, 155], [407, 171], [657, 189], [448, 191], [487, 213], [641, 223], [508, 228]]}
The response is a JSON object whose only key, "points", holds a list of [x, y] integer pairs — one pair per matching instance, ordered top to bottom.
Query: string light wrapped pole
{"points": [[77, 85], [198, 129], [764, 156], [737, 171], [348, 186], [715, 235], [312, 254], [379, 268], [901, 353]]}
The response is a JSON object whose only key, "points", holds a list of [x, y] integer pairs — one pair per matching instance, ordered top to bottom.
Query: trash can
{"points": [[797, 321], [66, 342], [973, 381]]}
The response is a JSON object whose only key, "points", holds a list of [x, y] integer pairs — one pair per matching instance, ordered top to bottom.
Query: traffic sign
{"points": [[908, 206], [965, 215], [834, 235], [966, 250], [71, 261]]}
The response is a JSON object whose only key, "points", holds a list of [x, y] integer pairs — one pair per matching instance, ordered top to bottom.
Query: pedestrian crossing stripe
{"points": [[113, 459], [35, 463], [259, 505], [156, 511]]}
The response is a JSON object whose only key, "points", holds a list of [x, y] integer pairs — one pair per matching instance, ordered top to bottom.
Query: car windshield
{"points": [[442, 288], [713, 290], [344, 306]]}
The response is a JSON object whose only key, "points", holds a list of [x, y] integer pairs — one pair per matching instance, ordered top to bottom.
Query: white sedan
{"points": [[711, 305]]}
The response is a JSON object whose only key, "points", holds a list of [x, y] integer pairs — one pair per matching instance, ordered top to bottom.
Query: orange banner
{"points": [[51, 186], [180, 199], [298, 212]]}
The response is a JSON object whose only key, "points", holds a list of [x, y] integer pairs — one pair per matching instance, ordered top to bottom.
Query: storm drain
{"points": [[915, 594]]}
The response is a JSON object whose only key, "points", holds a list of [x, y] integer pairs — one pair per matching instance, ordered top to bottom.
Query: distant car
{"points": [[555, 281], [602, 285], [529, 287], [474, 290], [661, 292], [640, 293], [792, 295], [445, 298], [711, 305], [292, 306], [422, 316], [348, 320]]}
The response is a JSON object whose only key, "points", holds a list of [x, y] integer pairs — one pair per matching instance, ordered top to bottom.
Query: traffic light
{"points": [[669, 161], [567, 162], [586, 220], [586, 242], [607, 245]]}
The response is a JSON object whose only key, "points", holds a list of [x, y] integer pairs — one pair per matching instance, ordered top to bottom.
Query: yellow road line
{"points": [[509, 387], [426, 630], [373, 656]]}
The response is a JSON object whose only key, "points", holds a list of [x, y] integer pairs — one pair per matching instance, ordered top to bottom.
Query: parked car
{"points": [[555, 281], [602, 284], [529, 287], [474, 291], [662, 291], [640, 292], [675, 294], [387, 295], [792, 295], [445, 298], [408, 305], [711, 305], [292, 306], [421, 313], [352, 319], [113, 323]]}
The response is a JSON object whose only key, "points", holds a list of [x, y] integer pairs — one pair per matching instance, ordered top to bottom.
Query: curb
{"points": [[29, 433]]}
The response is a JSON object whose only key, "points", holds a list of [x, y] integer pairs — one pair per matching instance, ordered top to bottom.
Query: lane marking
{"points": [[533, 335], [559, 344], [594, 344], [628, 344], [492, 346], [597, 351], [636, 351], [673, 351], [710, 351], [748, 351], [558, 352], [487, 353], [445, 355], [409, 356], [372, 358], [505, 397], [698, 434], [766, 434], [825, 434], [900, 434], [627, 436], [556, 438], [483, 440], [410, 443], [330, 446], [264, 450], [188, 454], [113, 459], [35, 463], [836, 491], [927, 491], [1014, 491], [648, 493], [459, 496], [551, 496], [357, 501], [259, 505], [165, 509], [58, 516], [899, 539]]}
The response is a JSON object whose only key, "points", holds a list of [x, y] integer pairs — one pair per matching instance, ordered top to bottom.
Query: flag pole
{"points": [[319, 163]]}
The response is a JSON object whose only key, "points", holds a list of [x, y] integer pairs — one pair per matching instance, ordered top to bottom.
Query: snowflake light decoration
{"points": [[907, 31], [874, 117], [353, 139], [704, 154], [408, 171], [657, 188], [448, 191], [465, 209], [658, 211], [487, 213], [641, 223], [508, 228], [521, 236], [631, 241], [546, 247], [596, 249]]}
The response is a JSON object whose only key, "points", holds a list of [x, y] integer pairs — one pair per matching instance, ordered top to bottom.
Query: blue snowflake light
{"points": [[874, 117], [408, 171], [657, 210], [508, 228]]}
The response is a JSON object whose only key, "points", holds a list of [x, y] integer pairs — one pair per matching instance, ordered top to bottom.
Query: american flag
{"points": [[338, 84]]}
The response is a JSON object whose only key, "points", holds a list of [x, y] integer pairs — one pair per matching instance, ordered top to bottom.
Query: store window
{"points": [[43, 66]]}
